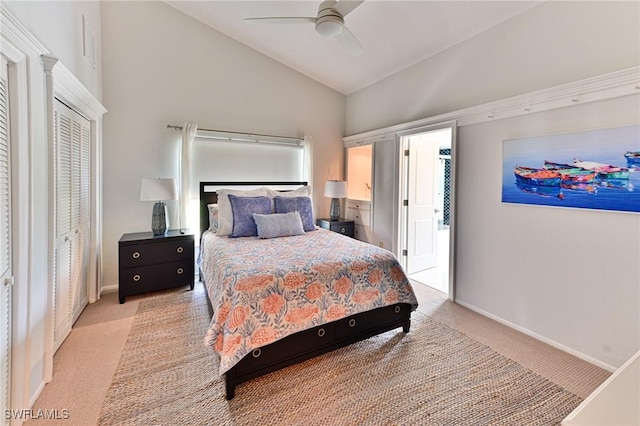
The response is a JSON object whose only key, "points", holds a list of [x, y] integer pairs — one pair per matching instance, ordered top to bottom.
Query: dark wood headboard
{"points": [[209, 195]]}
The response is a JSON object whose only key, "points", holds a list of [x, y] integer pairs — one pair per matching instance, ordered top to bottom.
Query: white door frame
{"points": [[403, 191]]}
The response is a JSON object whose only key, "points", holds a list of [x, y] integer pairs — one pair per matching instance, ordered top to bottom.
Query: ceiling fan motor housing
{"points": [[329, 21]]}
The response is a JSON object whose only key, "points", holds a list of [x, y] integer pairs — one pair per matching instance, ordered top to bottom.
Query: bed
{"points": [[278, 301]]}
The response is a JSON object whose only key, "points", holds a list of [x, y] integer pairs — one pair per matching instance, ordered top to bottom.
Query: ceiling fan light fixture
{"points": [[329, 26]]}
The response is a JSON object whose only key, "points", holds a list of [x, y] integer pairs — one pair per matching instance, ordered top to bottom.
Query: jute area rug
{"points": [[434, 375]]}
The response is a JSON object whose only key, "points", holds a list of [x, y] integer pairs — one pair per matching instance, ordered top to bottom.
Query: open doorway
{"points": [[427, 185]]}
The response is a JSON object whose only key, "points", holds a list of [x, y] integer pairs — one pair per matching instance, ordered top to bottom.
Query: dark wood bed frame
{"points": [[305, 344]]}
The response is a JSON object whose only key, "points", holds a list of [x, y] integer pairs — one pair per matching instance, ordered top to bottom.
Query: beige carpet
{"points": [[433, 375]]}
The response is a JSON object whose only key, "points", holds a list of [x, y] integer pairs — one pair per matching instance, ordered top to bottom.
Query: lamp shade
{"points": [[158, 189], [335, 189]]}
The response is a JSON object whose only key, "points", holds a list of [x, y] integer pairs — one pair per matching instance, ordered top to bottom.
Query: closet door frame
{"points": [[62, 84]]}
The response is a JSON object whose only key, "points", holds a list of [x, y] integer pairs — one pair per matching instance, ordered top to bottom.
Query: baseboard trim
{"points": [[109, 289], [539, 337], [37, 393]]}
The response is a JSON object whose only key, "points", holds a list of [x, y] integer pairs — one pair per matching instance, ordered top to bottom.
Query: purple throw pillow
{"points": [[302, 205], [243, 209]]}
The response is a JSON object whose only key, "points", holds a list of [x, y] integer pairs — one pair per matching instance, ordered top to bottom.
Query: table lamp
{"points": [[335, 189], [159, 190]]}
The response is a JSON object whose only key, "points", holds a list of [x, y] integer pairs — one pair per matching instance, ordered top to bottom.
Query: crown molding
{"points": [[14, 32], [607, 86], [71, 90]]}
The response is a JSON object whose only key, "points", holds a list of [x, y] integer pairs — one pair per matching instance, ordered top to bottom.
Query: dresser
{"points": [[360, 212], [342, 226], [150, 262]]}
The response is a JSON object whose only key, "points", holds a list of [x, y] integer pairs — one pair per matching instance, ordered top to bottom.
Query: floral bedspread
{"points": [[263, 290]]}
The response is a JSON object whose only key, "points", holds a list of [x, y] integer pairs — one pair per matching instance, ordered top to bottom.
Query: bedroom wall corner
{"points": [[163, 67], [569, 276], [584, 297]]}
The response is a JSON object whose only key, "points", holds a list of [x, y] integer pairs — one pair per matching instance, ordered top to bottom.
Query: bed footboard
{"points": [[317, 341]]}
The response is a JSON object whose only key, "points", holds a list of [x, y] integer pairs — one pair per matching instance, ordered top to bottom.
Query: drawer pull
{"points": [[343, 231], [180, 249], [135, 255], [180, 271], [136, 277], [397, 309], [352, 322], [321, 332], [256, 353]]}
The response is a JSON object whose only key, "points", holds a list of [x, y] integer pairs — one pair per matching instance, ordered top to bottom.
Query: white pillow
{"points": [[304, 191], [225, 214], [213, 217]]}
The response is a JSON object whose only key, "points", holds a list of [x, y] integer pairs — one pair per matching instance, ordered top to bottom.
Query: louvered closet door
{"points": [[72, 176], [5, 247]]}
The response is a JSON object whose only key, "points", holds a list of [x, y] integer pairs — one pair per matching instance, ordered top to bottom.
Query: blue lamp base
{"points": [[334, 212], [159, 218]]}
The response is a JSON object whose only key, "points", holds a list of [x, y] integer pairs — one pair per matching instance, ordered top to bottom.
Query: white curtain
{"points": [[188, 135], [307, 166]]}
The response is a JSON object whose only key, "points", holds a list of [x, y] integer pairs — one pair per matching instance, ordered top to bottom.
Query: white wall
{"points": [[58, 25], [44, 27], [551, 44], [162, 67], [516, 262], [568, 275]]}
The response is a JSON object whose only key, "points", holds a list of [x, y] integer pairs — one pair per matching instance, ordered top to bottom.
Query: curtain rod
{"points": [[251, 135]]}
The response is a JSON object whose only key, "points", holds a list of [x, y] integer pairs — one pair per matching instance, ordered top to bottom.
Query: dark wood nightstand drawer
{"points": [[344, 227], [150, 253], [149, 263], [158, 277]]}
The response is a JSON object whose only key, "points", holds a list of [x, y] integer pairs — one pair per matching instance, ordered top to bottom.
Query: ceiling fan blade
{"points": [[344, 7], [282, 20], [349, 42]]}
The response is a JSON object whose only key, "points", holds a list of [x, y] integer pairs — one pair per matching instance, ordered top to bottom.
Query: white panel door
{"points": [[63, 176], [72, 177], [422, 220], [6, 278]]}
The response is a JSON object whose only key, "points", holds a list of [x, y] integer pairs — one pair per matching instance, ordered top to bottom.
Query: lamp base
{"points": [[334, 212], [159, 218]]}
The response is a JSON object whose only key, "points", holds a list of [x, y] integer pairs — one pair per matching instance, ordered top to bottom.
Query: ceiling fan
{"points": [[329, 22]]}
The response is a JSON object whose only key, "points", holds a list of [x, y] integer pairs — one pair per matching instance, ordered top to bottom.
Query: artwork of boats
{"points": [[633, 159], [594, 169], [605, 171], [571, 173], [540, 177], [543, 191]]}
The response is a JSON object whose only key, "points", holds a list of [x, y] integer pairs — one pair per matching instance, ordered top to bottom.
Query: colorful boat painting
{"points": [[633, 159], [598, 169], [605, 171], [571, 173], [540, 177], [543, 191]]}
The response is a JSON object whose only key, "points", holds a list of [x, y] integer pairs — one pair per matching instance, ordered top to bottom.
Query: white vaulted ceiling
{"points": [[395, 34]]}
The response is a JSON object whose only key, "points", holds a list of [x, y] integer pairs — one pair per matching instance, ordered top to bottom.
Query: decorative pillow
{"points": [[302, 205], [243, 209], [225, 214], [213, 217], [278, 224]]}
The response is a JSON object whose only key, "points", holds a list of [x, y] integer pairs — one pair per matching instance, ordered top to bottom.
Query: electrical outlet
{"points": [[381, 244]]}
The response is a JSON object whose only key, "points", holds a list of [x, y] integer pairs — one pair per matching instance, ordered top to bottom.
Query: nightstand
{"points": [[341, 226], [150, 262]]}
